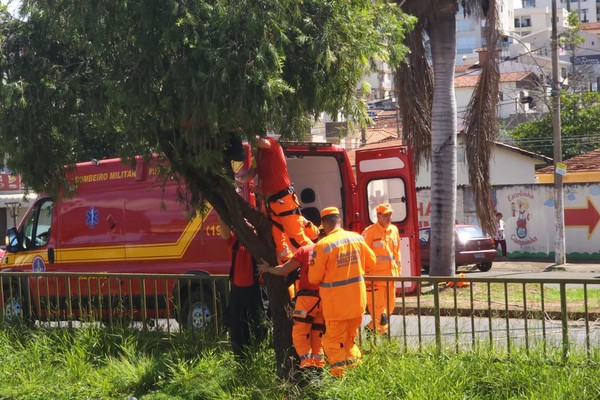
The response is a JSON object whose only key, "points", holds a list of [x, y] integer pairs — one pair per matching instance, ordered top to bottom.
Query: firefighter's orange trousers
{"points": [[288, 224], [381, 301], [308, 330], [340, 345]]}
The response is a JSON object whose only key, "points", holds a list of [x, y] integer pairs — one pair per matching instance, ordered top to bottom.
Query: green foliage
{"points": [[570, 38], [127, 77], [83, 80], [580, 127]]}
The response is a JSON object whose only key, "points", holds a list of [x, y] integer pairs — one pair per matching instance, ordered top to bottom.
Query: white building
{"points": [[588, 10], [532, 19], [533, 22], [470, 31], [515, 88], [509, 166]]}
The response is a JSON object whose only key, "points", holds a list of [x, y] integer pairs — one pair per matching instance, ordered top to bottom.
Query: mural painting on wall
{"points": [[519, 207], [529, 214], [585, 216], [529, 217], [524, 218], [581, 218]]}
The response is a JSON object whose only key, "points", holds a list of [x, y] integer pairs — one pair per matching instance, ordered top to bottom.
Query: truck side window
{"points": [[388, 190], [36, 230]]}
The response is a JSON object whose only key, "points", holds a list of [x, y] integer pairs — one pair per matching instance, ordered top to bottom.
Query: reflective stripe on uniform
{"points": [[332, 246], [385, 258], [342, 283], [300, 312]]}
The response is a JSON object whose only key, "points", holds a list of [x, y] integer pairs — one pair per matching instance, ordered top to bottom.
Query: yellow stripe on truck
{"points": [[154, 251]]}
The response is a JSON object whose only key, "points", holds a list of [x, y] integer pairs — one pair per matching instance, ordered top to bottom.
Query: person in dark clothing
{"points": [[245, 315]]}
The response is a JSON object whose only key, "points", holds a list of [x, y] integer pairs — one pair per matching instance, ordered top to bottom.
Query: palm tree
{"points": [[428, 105]]}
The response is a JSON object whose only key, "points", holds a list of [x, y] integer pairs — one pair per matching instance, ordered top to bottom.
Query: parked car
{"points": [[472, 246]]}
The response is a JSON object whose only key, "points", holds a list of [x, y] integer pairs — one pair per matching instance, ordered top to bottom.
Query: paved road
{"points": [[465, 332]]}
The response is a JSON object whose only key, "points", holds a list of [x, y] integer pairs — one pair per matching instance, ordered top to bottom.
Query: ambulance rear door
{"points": [[386, 175]]}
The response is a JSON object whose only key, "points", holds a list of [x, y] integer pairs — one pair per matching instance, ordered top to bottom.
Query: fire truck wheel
{"points": [[16, 308], [197, 312]]}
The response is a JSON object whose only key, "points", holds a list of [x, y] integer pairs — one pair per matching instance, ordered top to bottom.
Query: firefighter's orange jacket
{"points": [[386, 246], [340, 261]]}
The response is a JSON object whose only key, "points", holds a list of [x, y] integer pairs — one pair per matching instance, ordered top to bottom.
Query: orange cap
{"points": [[384, 208], [329, 211]]}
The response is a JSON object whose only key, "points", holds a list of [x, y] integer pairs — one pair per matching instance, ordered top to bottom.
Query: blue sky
{"points": [[12, 5]]}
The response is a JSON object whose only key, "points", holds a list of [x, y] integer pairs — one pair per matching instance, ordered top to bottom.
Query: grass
{"points": [[93, 363]]}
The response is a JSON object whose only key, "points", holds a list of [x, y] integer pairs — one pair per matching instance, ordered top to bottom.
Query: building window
{"points": [[528, 3], [523, 22]]}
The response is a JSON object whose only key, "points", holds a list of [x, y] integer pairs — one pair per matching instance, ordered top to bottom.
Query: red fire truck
{"points": [[128, 219]]}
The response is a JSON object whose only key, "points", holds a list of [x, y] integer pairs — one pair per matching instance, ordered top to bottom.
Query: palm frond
{"points": [[414, 92], [482, 126]]}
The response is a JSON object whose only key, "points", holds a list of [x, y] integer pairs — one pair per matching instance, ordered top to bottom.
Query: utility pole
{"points": [[363, 135], [559, 208]]}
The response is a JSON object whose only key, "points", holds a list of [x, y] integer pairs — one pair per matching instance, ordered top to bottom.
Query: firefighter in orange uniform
{"points": [[280, 198], [384, 239], [339, 263], [308, 317]]}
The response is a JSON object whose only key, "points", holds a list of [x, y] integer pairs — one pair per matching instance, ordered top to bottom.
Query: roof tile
{"points": [[471, 79], [582, 163]]}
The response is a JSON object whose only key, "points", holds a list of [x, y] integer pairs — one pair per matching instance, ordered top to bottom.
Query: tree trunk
{"points": [[443, 140], [237, 213]]}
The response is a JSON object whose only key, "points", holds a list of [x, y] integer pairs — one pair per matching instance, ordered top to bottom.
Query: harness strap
{"points": [[280, 194], [289, 212], [305, 292], [308, 318], [318, 327]]}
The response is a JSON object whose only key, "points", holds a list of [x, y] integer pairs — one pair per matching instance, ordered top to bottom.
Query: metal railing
{"points": [[146, 301], [499, 312], [456, 313]]}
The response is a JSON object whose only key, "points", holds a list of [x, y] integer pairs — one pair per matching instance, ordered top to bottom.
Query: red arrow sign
{"points": [[586, 216]]}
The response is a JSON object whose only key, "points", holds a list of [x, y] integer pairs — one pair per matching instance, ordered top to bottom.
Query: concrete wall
{"points": [[528, 211]]}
